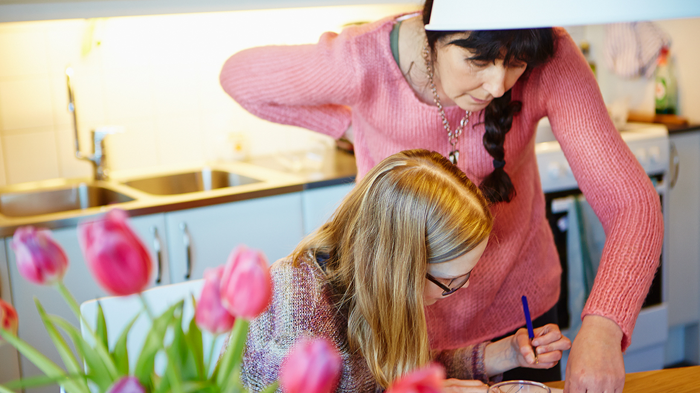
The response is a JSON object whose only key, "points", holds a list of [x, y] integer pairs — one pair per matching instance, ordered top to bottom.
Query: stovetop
{"points": [[648, 142]]}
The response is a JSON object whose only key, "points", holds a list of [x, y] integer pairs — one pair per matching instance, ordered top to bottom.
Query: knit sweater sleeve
{"points": [[309, 86], [613, 182], [300, 308], [464, 363]]}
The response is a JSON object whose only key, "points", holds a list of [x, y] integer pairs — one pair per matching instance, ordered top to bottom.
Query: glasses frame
{"points": [[446, 290]]}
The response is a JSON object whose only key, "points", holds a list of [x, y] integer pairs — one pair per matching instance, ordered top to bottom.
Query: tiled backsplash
{"points": [[155, 75]]}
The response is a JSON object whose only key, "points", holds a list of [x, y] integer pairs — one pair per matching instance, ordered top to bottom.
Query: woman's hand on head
{"points": [[548, 342], [463, 386]]}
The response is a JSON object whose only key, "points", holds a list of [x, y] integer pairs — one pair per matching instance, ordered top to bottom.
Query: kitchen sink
{"points": [[186, 182], [56, 200]]}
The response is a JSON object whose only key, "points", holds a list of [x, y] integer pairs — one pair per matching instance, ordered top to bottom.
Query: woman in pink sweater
{"points": [[481, 85]]}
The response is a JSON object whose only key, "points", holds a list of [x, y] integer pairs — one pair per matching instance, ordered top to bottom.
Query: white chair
{"points": [[120, 310]]}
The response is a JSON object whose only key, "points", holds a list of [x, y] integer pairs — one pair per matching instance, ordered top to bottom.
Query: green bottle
{"points": [[665, 90]]}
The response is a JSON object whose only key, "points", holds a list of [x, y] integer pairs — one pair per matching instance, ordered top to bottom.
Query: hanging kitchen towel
{"points": [[631, 48], [585, 239]]}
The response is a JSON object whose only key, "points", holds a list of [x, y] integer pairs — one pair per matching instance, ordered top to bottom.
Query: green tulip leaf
{"points": [[101, 330], [194, 342], [152, 344], [120, 354], [233, 355], [43, 363], [72, 364], [98, 371], [42, 380], [197, 386], [271, 388], [3, 389]]}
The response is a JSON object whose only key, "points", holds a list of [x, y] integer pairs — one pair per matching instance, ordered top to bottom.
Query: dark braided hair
{"points": [[531, 46]]}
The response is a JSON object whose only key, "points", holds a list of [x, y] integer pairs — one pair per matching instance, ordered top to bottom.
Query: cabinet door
{"points": [[319, 203], [683, 232], [204, 237], [78, 280], [9, 358]]}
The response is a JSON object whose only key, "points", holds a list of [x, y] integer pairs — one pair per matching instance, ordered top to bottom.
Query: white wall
{"points": [[155, 75]]}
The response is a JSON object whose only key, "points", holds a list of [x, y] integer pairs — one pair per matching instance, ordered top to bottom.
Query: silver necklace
{"points": [[452, 137]]}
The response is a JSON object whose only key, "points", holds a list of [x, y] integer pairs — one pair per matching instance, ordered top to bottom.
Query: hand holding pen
{"points": [[539, 347]]}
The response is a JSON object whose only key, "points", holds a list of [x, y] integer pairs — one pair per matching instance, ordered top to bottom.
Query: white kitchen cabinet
{"points": [[319, 203], [204, 237], [683, 281], [80, 282], [9, 358]]}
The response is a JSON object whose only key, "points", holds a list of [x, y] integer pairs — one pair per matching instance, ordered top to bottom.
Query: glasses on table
{"points": [[452, 286]]}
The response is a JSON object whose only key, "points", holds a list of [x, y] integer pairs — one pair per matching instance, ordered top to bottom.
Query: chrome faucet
{"points": [[97, 158]]}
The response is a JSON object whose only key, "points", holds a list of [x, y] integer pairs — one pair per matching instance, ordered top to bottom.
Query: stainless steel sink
{"points": [[186, 182], [60, 199]]}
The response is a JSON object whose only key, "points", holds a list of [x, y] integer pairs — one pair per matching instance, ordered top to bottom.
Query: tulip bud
{"points": [[116, 256], [39, 258], [246, 287], [210, 314], [8, 318], [312, 366], [425, 380], [127, 385]]}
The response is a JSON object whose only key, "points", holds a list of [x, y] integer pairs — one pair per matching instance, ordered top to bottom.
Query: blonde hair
{"points": [[412, 209]]}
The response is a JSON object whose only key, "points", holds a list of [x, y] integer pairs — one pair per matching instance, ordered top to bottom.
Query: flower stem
{"points": [[73, 304], [149, 312], [211, 354]]}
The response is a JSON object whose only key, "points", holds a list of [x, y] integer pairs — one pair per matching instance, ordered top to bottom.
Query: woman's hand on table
{"points": [[548, 342], [595, 363], [463, 386]]}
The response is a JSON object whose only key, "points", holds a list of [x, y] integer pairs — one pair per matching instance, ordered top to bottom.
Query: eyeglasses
{"points": [[452, 286]]}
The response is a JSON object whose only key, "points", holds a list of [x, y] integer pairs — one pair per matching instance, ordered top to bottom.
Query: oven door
{"points": [[579, 238]]}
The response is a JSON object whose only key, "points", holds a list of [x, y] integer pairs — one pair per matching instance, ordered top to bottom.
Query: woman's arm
{"points": [[309, 86], [613, 181], [625, 201]]}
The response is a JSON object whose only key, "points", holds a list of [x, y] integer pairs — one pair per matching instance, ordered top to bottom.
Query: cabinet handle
{"points": [[188, 250], [159, 254]]}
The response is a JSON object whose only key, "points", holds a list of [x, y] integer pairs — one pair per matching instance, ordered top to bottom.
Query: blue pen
{"points": [[528, 321]]}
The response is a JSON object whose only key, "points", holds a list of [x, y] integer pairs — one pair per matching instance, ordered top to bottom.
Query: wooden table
{"points": [[672, 380]]}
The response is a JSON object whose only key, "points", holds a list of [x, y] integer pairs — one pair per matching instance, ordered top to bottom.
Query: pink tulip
{"points": [[115, 255], [39, 258], [246, 287], [210, 314], [9, 320], [312, 366], [424, 380], [127, 385]]}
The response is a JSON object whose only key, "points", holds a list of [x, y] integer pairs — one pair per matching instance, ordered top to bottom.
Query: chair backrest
{"points": [[120, 310]]}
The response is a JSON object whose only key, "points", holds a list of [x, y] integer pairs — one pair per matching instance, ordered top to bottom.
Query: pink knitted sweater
{"points": [[353, 78]]}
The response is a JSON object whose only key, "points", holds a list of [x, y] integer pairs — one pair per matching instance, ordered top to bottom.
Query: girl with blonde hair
{"points": [[409, 234]]}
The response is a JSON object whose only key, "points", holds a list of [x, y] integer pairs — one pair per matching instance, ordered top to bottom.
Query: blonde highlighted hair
{"points": [[412, 209]]}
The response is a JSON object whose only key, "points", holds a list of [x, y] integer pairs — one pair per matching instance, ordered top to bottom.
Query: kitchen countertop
{"points": [[677, 129], [334, 167], [684, 379]]}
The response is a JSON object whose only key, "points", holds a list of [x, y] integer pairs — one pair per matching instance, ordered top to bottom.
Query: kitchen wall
{"points": [[155, 75], [158, 77], [639, 92]]}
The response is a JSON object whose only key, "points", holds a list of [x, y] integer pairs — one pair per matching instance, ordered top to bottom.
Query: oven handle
{"points": [[674, 164]]}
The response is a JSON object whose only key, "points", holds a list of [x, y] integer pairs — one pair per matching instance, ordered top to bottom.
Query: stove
{"points": [[650, 144]]}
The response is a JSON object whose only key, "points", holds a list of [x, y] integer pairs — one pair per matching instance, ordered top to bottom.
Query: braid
{"points": [[498, 119]]}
